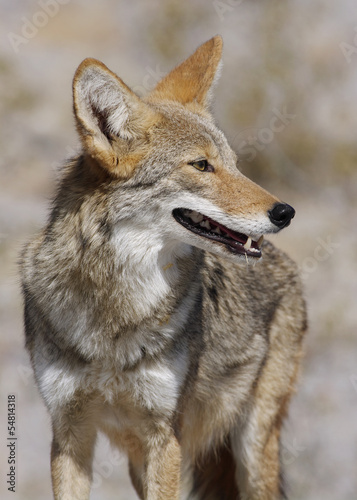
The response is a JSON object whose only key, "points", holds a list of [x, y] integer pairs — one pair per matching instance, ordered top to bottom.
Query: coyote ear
{"points": [[192, 80], [106, 109]]}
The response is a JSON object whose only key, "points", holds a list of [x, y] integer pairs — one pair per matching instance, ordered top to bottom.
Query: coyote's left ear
{"points": [[191, 81], [109, 116]]}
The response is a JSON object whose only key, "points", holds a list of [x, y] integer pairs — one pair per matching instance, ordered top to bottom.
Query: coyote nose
{"points": [[281, 214]]}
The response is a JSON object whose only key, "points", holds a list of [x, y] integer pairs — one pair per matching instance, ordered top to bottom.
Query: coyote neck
{"points": [[153, 273], [111, 295], [149, 300]]}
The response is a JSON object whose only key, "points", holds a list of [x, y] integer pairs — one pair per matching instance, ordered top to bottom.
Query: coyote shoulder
{"points": [[154, 311]]}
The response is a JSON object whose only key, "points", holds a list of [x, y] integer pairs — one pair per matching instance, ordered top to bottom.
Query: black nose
{"points": [[281, 214]]}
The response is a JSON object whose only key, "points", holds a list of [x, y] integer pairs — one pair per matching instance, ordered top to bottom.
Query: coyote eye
{"points": [[202, 166]]}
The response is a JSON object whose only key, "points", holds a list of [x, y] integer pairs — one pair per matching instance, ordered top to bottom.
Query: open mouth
{"points": [[202, 225]]}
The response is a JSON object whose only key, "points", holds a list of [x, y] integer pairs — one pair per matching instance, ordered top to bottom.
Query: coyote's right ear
{"points": [[108, 115]]}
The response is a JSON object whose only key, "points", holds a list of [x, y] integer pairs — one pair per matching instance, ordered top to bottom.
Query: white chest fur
{"points": [[127, 380], [152, 386]]}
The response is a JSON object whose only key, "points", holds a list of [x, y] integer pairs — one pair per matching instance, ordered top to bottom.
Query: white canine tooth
{"points": [[196, 217], [205, 224], [217, 230], [260, 241], [248, 243]]}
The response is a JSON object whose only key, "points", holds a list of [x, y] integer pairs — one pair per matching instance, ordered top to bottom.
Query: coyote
{"points": [[154, 311]]}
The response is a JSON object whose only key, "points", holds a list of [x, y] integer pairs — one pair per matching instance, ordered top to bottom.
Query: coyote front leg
{"points": [[72, 455], [162, 469]]}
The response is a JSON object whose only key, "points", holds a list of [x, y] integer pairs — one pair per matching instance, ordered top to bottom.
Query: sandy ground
{"points": [[320, 436]]}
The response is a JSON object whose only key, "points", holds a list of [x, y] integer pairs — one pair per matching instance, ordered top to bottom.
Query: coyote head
{"points": [[169, 167]]}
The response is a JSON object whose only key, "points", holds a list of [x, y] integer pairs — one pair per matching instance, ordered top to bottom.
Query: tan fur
{"points": [[190, 82], [180, 345]]}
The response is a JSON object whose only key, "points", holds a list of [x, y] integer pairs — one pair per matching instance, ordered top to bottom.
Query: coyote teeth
{"points": [[196, 217], [205, 224], [217, 230], [260, 241], [248, 243]]}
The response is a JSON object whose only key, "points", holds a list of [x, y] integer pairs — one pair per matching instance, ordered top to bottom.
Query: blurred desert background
{"points": [[287, 101]]}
